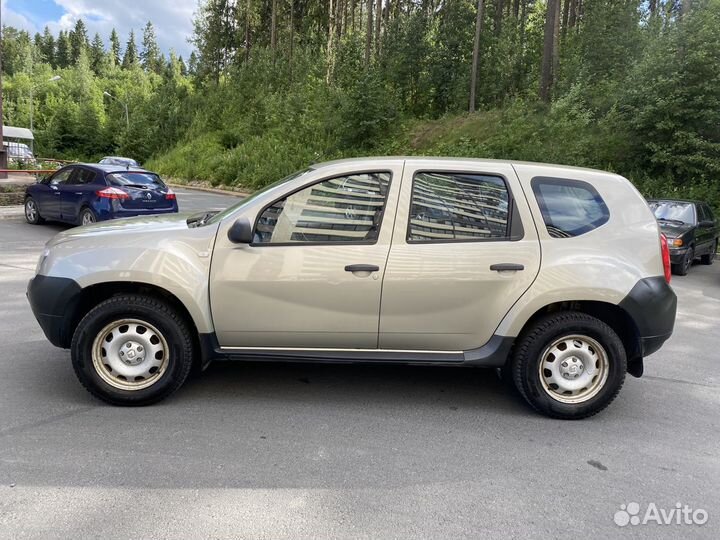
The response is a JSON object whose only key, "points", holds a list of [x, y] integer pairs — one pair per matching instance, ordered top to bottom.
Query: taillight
{"points": [[112, 193], [170, 195], [665, 252]]}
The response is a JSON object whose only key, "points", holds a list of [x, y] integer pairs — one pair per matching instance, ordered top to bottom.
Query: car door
{"points": [[77, 191], [50, 202], [706, 230], [464, 250], [312, 277]]}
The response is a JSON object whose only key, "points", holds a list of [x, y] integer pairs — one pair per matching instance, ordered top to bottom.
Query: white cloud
{"points": [[15, 19], [172, 20]]}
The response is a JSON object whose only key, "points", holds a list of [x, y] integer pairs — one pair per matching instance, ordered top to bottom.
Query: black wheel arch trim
{"points": [[652, 305]]}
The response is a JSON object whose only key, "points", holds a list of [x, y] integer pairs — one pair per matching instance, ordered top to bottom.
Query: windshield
{"points": [[135, 179], [673, 211], [221, 215]]}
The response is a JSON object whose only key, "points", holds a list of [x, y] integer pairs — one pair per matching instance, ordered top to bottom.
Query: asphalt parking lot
{"points": [[318, 451]]}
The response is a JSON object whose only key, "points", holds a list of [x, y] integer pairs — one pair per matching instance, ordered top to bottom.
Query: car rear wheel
{"points": [[32, 212], [87, 217], [708, 258], [132, 350], [569, 365]]}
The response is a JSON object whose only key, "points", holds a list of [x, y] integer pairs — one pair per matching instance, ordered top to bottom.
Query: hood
{"points": [[145, 224], [673, 230]]}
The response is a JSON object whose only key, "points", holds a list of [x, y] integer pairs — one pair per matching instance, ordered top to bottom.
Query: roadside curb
{"points": [[217, 191], [11, 212]]}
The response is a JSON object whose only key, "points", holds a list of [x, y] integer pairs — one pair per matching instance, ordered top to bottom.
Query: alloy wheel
{"points": [[31, 211]]}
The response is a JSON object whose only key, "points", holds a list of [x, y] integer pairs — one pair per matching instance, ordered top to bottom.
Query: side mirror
{"points": [[707, 223], [241, 231]]}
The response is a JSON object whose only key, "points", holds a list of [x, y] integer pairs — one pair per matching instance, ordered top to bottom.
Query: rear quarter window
{"points": [[569, 207]]}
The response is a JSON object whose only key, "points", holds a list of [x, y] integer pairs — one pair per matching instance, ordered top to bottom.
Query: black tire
{"points": [[90, 216], [32, 217], [708, 258], [684, 267], [172, 327], [532, 346]]}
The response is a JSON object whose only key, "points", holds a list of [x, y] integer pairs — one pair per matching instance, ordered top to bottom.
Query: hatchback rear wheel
{"points": [[87, 217], [569, 365]]}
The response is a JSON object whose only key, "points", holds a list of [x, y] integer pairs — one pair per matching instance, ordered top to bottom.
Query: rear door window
{"points": [[458, 207], [569, 207]]}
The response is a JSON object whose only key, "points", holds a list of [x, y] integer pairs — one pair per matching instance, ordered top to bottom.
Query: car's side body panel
{"points": [[79, 192], [153, 255], [601, 265], [301, 295], [443, 295]]}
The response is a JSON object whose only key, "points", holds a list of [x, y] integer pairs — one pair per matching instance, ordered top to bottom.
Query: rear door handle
{"points": [[506, 267], [362, 268]]}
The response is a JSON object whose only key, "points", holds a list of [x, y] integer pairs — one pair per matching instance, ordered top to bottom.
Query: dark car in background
{"points": [[117, 160], [85, 193], [691, 229]]}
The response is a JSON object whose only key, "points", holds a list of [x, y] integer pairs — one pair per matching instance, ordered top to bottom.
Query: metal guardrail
{"points": [[27, 171]]}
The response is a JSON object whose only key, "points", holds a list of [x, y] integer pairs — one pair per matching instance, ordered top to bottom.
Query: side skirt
{"points": [[493, 354]]}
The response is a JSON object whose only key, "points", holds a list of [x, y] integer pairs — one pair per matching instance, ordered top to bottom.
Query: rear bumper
{"points": [[111, 209], [51, 298], [652, 304]]}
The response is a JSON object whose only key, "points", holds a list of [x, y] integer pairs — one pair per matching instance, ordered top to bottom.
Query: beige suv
{"points": [[557, 276]]}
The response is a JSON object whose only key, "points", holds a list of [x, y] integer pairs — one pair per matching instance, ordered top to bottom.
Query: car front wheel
{"points": [[32, 212], [708, 258], [132, 350], [569, 365]]}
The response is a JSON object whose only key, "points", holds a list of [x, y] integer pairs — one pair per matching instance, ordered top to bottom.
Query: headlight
{"points": [[41, 260]]}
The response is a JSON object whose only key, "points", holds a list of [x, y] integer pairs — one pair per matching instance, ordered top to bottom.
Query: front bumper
{"points": [[677, 255], [52, 299]]}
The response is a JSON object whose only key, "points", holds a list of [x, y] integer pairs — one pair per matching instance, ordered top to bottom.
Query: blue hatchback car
{"points": [[85, 193]]}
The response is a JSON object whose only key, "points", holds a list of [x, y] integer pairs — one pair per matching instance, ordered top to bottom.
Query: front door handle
{"points": [[506, 267], [362, 268]]}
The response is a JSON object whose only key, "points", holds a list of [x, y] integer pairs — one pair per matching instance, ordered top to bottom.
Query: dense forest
{"points": [[272, 85]]}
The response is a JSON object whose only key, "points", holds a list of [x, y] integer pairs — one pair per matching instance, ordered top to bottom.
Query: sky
{"points": [[172, 18]]}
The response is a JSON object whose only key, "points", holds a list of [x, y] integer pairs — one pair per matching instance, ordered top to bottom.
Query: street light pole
{"points": [[32, 96], [124, 104], [3, 152]]}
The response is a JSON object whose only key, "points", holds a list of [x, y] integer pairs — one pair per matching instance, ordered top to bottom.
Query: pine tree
{"points": [[78, 41], [47, 47], [115, 53], [97, 54], [131, 54], [150, 54], [62, 59], [193, 64]]}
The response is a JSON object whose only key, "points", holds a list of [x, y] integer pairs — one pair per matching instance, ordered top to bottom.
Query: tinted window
{"points": [[61, 176], [82, 176], [134, 179], [458, 206], [569, 207], [342, 209], [673, 211], [709, 213], [702, 214]]}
